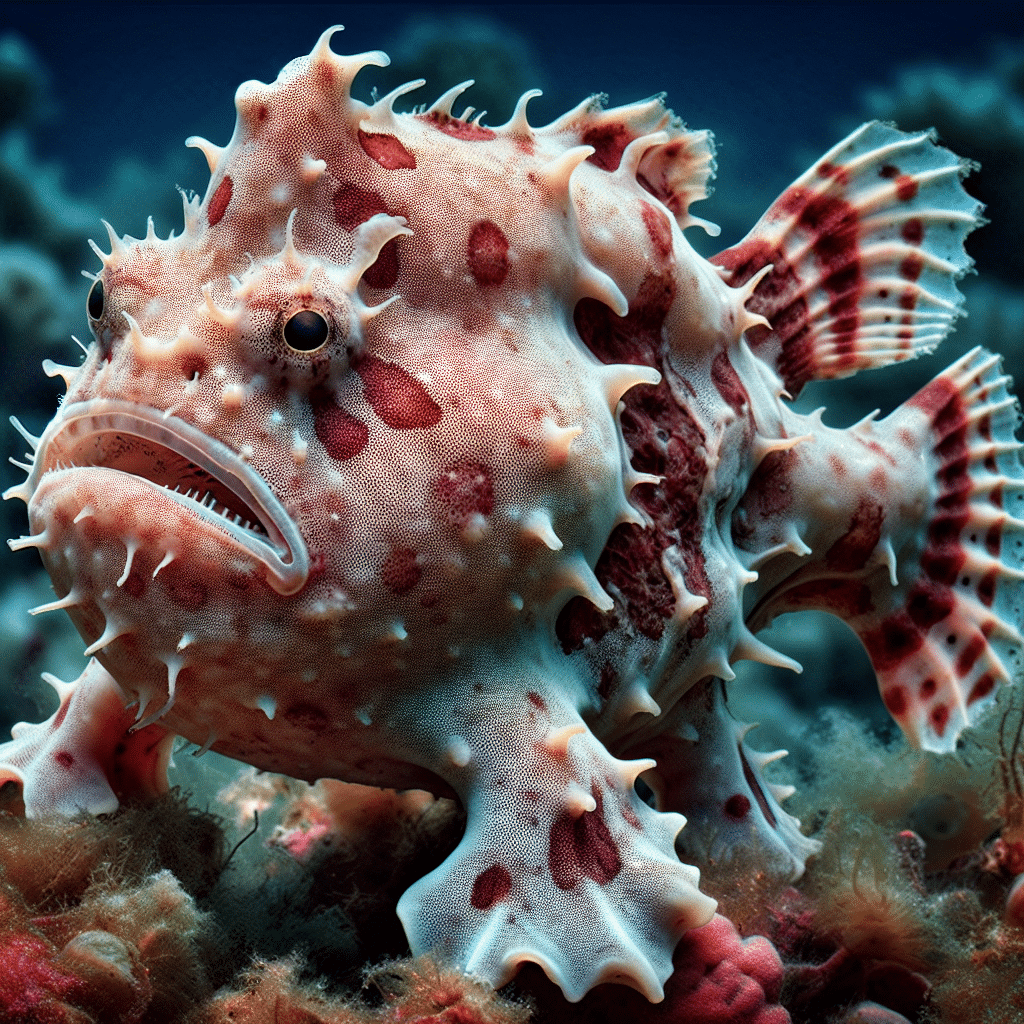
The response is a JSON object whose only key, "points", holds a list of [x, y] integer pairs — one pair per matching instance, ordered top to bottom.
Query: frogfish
{"points": [[431, 455]]}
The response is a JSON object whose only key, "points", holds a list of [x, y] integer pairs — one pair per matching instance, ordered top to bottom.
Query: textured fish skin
{"points": [[432, 455]]}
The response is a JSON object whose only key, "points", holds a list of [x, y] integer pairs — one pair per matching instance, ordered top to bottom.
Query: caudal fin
{"points": [[866, 248]]}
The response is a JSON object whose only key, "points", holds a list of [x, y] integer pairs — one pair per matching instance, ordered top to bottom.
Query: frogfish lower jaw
{"points": [[191, 482]]}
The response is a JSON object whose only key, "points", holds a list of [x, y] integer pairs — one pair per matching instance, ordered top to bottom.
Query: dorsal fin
{"points": [[867, 247]]}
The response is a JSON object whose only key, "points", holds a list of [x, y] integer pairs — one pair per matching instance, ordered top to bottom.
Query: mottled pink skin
{"points": [[515, 452]]}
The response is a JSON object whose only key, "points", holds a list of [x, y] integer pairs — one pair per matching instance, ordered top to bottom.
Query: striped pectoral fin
{"points": [[865, 250], [955, 635]]}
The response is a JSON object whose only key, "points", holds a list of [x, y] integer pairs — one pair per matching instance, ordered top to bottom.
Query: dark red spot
{"points": [[458, 129], [609, 141], [387, 151], [830, 170], [888, 171], [906, 188], [219, 201], [354, 205], [658, 228], [912, 231], [487, 253], [911, 267], [383, 272], [908, 298], [193, 366], [727, 381], [396, 396], [934, 397], [341, 434], [466, 489], [993, 539], [853, 549], [401, 571], [136, 583], [182, 588], [987, 588], [846, 598], [929, 603], [892, 642], [970, 654], [928, 688], [982, 688], [537, 701], [896, 701], [307, 716], [939, 718], [64, 759], [737, 807], [580, 848], [490, 887]]}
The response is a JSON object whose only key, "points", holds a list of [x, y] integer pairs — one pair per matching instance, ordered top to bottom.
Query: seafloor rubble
{"points": [[276, 902]]}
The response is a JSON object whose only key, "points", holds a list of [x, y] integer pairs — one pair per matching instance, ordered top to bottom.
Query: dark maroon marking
{"points": [[465, 130], [609, 142], [387, 151], [830, 170], [888, 171], [906, 188], [219, 201], [354, 205], [658, 228], [912, 231], [487, 253], [911, 267], [383, 272], [908, 299], [193, 365], [727, 381], [396, 396], [985, 430], [342, 435], [666, 441], [466, 489], [769, 493], [996, 497], [994, 539], [852, 550], [401, 571], [136, 584], [183, 588], [987, 588], [846, 598], [928, 603], [893, 641], [969, 656], [928, 688], [982, 688], [895, 699], [536, 700], [307, 716], [939, 718], [64, 759], [755, 788], [737, 807], [630, 815], [581, 848], [490, 887]]}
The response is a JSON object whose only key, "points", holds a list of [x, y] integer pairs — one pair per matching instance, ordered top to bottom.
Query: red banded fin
{"points": [[866, 249], [951, 631]]}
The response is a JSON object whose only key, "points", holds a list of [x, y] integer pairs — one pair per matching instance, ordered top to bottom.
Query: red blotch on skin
{"points": [[465, 130], [609, 142], [387, 151], [830, 170], [906, 187], [219, 201], [354, 205], [658, 228], [912, 231], [487, 253], [911, 267], [383, 272], [727, 381], [396, 396], [342, 435], [466, 489], [993, 539], [853, 549], [401, 571], [135, 585], [987, 588], [848, 599], [970, 654], [928, 688], [982, 688], [537, 701], [896, 701], [939, 718], [64, 759], [737, 807], [581, 848], [490, 887]]}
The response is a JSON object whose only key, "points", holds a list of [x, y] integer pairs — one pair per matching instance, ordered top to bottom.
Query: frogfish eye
{"points": [[94, 304], [306, 331]]}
